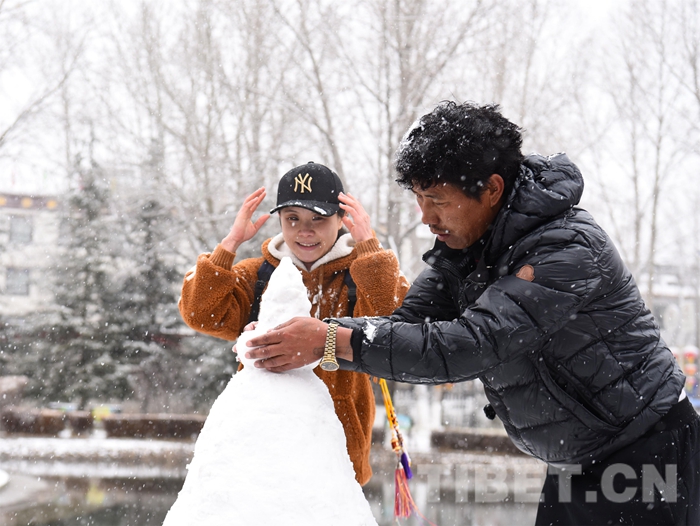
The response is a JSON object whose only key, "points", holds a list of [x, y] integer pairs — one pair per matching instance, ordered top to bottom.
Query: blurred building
{"points": [[29, 229], [675, 302]]}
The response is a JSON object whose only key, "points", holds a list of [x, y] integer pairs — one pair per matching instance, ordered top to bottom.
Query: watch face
{"points": [[329, 366]]}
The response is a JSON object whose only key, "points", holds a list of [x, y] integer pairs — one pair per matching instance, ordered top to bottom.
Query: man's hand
{"points": [[243, 227], [295, 343]]}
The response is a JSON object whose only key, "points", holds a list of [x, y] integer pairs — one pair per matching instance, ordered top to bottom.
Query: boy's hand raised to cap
{"points": [[358, 224], [243, 227]]}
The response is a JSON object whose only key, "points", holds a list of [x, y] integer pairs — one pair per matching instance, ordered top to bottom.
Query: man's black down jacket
{"points": [[572, 361]]}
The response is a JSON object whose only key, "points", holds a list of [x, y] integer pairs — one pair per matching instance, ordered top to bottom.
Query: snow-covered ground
{"points": [[95, 457], [443, 483]]}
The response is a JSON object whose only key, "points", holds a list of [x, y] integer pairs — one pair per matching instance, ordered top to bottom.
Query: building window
{"points": [[21, 229], [17, 283]]}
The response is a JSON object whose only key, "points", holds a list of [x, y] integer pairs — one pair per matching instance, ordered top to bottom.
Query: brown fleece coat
{"points": [[217, 298]]}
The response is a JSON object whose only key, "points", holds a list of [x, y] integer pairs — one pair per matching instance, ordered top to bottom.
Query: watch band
{"points": [[329, 361]]}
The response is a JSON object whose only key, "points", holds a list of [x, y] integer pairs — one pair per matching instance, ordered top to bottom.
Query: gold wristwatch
{"points": [[329, 362]]}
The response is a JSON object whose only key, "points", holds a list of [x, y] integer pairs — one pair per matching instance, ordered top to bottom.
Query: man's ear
{"points": [[494, 187]]}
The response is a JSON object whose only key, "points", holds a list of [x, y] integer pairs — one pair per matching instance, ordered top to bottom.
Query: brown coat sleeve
{"points": [[381, 287], [217, 295]]}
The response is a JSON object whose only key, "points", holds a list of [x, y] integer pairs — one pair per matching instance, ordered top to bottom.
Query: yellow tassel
{"points": [[404, 505]]}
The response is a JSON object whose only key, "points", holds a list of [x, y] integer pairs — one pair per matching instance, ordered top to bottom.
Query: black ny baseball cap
{"points": [[311, 186]]}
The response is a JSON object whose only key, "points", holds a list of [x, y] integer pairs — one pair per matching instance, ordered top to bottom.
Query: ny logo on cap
{"points": [[304, 182]]}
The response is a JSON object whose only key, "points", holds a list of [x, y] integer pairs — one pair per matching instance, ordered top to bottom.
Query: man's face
{"points": [[457, 220]]}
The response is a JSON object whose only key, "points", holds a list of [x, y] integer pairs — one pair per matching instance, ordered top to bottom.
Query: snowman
{"points": [[272, 450]]}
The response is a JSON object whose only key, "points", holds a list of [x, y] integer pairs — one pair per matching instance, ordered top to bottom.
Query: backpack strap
{"points": [[264, 273], [352, 292]]}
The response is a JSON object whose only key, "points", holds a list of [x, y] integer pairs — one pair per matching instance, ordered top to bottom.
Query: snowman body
{"points": [[272, 450]]}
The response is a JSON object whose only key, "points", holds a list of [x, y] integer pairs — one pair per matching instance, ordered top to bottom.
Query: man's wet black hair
{"points": [[462, 145]]}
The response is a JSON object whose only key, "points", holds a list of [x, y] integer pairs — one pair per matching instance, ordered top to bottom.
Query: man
{"points": [[527, 293]]}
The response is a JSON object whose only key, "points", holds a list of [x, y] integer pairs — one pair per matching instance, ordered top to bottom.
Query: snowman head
{"points": [[284, 298]]}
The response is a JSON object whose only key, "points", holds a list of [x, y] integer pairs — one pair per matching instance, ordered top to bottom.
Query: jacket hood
{"points": [[546, 187], [342, 248]]}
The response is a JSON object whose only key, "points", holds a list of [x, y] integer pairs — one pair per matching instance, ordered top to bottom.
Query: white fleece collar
{"points": [[342, 247]]}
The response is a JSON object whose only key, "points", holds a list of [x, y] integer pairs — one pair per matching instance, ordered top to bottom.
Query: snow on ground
{"points": [[107, 448], [95, 456]]}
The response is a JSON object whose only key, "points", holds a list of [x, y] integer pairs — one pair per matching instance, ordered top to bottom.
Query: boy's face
{"points": [[457, 220], [308, 234]]}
